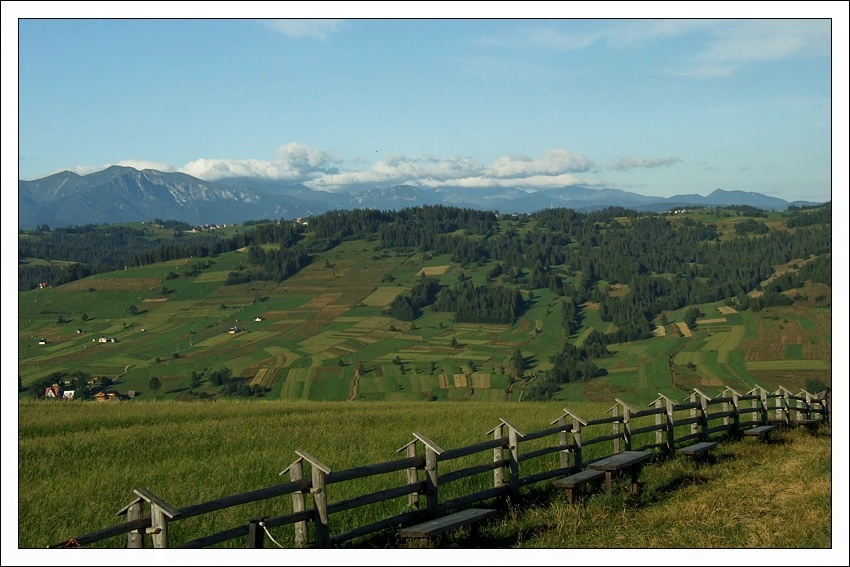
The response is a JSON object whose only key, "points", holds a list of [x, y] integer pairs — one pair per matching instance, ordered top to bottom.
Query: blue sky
{"points": [[669, 105], [654, 106]]}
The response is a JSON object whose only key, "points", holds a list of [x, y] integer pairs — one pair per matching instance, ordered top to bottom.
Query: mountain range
{"points": [[124, 194]]}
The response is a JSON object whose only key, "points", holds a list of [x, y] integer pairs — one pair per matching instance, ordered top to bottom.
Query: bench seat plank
{"points": [[760, 430], [697, 448], [620, 461], [631, 461], [578, 479], [571, 484], [446, 523]]}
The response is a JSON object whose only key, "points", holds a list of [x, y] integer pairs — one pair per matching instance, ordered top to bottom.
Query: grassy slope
{"points": [[316, 325], [751, 495]]}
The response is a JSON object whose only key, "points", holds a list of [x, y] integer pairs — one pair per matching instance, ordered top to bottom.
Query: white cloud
{"points": [[313, 29], [766, 40], [734, 44], [721, 46], [305, 159], [294, 162], [628, 162], [553, 163], [554, 169], [323, 170]]}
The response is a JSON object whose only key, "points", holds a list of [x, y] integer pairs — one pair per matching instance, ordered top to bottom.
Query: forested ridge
{"points": [[665, 263], [631, 267]]}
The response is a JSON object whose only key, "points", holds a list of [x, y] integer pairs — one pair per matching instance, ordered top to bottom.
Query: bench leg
{"points": [[635, 472], [608, 480], [570, 495]]}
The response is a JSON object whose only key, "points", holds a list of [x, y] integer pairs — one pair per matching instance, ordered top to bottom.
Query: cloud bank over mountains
{"points": [[324, 170]]}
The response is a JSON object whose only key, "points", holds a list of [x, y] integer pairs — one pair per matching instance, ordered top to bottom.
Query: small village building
{"points": [[42, 341], [52, 392], [68, 394], [104, 396]]}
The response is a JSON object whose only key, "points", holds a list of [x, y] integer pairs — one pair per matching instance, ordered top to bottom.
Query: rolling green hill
{"points": [[326, 330]]}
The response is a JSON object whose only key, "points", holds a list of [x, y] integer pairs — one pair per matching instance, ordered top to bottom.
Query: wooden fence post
{"points": [[785, 399], [823, 401], [809, 405], [765, 406], [703, 407], [736, 412], [660, 421], [577, 423], [627, 425], [694, 426], [615, 428], [576, 431], [669, 433], [563, 439], [513, 445], [498, 455], [318, 471], [296, 472], [411, 473], [412, 476], [432, 479], [133, 511], [161, 513], [255, 534]]}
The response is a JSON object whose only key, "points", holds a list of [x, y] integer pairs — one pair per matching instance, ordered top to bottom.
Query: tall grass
{"points": [[80, 461]]}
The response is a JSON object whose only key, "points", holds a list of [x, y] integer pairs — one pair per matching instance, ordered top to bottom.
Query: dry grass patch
{"points": [[433, 270], [113, 284], [618, 290], [322, 300], [480, 380], [460, 381]]}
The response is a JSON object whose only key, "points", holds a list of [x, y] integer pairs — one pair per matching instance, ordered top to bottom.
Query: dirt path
{"points": [[355, 387]]}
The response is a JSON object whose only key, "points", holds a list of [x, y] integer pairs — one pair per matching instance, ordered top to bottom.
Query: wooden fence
{"points": [[662, 427]]}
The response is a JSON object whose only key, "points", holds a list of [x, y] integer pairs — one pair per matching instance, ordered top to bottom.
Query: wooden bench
{"points": [[810, 424], [762, 431], [697, 450], [627, 460], [575, 481], [469, 517]]}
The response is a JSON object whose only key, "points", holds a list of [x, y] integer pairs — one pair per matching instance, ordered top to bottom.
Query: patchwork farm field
{"points": [[324, 334]]}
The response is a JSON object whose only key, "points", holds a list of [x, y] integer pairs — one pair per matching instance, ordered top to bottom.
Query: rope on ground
{"points": [[265, 529], [70, 543]]}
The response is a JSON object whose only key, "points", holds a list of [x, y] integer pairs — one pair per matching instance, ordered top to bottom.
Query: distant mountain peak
{"points": [[122, 193]]}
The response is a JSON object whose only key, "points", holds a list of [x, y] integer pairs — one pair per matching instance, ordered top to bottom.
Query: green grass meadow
{"points": [[749, 495]]}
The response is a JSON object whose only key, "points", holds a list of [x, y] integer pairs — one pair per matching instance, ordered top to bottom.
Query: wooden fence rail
{"points": [[663, 426]]}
